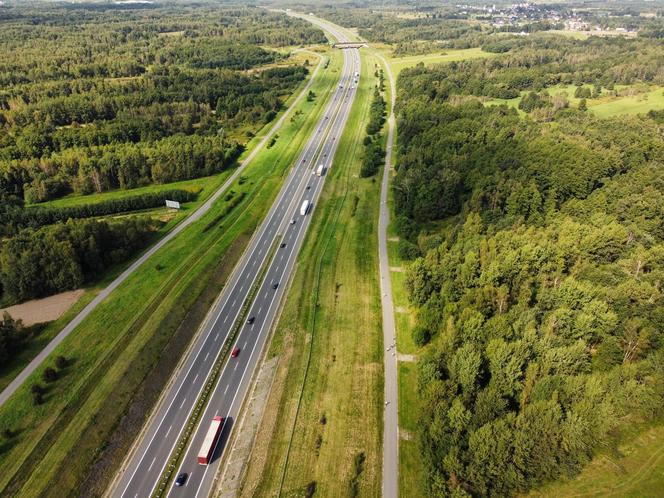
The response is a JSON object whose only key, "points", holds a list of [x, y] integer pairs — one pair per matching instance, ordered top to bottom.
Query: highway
{"points": [[195, 216], [277, 236]]}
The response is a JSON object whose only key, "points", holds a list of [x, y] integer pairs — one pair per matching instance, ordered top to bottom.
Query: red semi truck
{"points": [[210, 441]]}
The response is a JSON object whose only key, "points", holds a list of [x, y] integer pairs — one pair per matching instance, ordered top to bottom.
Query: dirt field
{"points": [[43, 310]]}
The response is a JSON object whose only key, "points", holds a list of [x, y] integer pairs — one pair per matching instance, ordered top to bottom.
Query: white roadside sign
{"points": [[173, 204]]}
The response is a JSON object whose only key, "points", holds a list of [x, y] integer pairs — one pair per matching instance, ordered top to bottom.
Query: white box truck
{"points": [[320, 171], [304, 208]]}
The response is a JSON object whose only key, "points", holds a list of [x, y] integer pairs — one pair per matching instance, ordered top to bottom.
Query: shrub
{"points": [[421, 336]]}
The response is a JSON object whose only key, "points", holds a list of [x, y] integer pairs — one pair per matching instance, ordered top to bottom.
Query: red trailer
{"points": [[210, 441]]}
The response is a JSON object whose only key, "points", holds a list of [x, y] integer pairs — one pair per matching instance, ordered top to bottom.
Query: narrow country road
{"points": [[196, 215], [391, 419]]}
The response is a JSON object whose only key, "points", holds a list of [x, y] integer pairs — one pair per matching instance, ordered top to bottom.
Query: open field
{"points": [[400, 63], [607, 104], [44, 310], [333, 312], [131, 334], [634, 471]]}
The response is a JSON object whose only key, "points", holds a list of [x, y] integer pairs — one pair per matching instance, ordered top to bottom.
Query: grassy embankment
{"points": [[333, 314], [121, 343]]}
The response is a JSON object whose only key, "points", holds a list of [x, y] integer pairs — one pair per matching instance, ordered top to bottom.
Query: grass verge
{"points": [[115, 350], [336, 442]]}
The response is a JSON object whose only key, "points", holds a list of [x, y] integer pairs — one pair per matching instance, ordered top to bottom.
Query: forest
{"points": [[95, 98], [537, 247]]}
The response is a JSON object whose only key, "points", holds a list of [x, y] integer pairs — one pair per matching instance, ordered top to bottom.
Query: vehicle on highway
{"points": [[321, 170], [308, 187], [305, 207], [292, 221], [282, 245], [275, 285], [251, 319], [235, 352], [210, 441], [181, 479]]}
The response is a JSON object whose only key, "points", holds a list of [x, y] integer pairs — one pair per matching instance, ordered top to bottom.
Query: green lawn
{"points": [[637, 104], [120, 343], [343, 387], [635, 470]]}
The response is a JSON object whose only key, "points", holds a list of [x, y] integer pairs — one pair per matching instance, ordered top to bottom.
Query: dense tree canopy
{"points": [[95, 99], [66, 255], [541, 292]]}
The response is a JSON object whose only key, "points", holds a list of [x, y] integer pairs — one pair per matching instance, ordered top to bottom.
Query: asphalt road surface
{"points": [[196, 215], [391, 415], [141, 474]]}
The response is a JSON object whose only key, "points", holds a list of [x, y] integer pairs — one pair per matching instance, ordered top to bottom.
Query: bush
{"points": [[408, 250], [421, 336], [61, 362], [49, 374], [310, 490]]}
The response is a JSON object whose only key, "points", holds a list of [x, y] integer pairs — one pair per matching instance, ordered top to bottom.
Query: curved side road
{"points": [[195, 216], [391, 417]]}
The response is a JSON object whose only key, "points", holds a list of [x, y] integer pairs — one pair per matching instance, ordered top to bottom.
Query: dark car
{"points": [[308, 187], [282, 245], [275, 285], [251, 319], [235, 352], [181, 479]]}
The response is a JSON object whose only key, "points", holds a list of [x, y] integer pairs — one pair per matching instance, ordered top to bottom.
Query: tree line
{"points": [[374, 154], [13, 217], [65, 256]]}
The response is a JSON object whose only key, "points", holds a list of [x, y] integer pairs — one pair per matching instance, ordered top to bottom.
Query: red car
{"points": [[235, 352]]}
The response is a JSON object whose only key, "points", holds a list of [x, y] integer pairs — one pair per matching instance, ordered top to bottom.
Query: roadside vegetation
{"points": [[330, 328], [121, 356]]}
